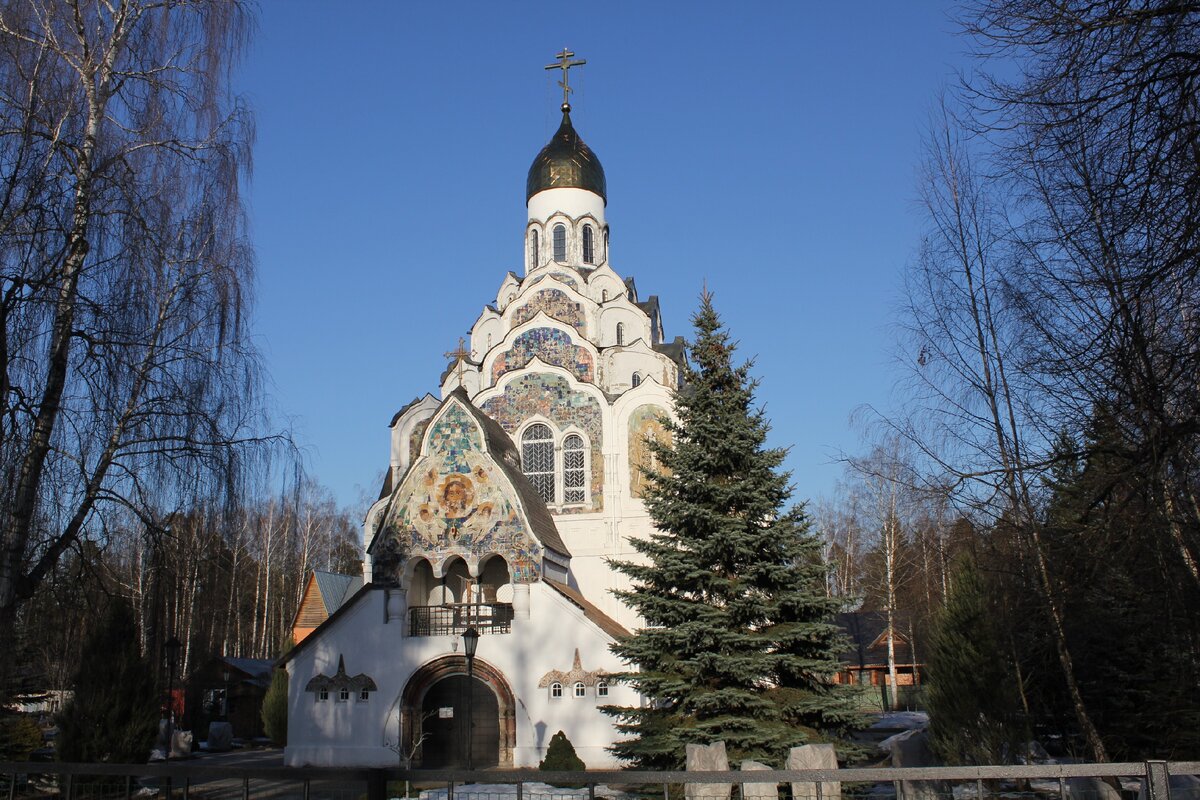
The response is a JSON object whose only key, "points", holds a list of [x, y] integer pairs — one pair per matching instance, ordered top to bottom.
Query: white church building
{"points": [[505, 497]]}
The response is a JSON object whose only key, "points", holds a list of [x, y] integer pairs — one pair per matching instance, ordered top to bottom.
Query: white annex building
{"points": [[504, 499]]}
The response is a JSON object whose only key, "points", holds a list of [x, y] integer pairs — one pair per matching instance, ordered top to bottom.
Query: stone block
{"points": [[220, 737], [814, 756], [707, 758], [1091, 788], [758, 791]]}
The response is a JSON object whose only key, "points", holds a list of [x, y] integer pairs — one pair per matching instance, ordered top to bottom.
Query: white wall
{"points": [[333, 733]]}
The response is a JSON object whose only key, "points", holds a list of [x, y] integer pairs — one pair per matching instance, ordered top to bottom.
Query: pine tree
{"points": [[740, 642], [113, 714]]}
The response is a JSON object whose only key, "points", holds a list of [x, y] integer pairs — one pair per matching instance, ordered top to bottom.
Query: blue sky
{"points": [[768, 149]]}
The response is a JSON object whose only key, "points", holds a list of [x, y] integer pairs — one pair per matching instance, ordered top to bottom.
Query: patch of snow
{"points": [[902, 719], [533, 791]]}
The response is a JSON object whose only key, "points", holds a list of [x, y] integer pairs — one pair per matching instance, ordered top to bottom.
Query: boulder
{"points": [[707, 758]]}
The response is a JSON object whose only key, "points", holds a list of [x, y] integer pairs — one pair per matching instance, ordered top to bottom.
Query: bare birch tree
{"points": [[126, 377]]}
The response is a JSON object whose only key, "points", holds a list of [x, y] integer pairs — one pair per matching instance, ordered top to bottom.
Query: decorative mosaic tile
{"points": [[562, 277], [557, 304], [551, 346], [551, 396], [644, 423], [414, 441], [456, 500]]}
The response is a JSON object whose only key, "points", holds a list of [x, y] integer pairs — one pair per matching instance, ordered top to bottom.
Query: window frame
{"points": [[558, 238], [589, 244], [534, 254], [620, 333], [558, 440], [601, 688], [578, 690], [556, 691], [322, 694], [344, 694], [364, 695]]}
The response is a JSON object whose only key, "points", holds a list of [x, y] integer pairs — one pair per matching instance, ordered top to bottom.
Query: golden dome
{"points": [[566, 162]]}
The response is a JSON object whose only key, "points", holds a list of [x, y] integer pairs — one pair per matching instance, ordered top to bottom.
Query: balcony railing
{"points": [[457, 617]]}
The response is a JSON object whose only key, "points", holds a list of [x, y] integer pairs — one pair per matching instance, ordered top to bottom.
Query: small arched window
{"points": [[560, 242], [589, 245], [533, 248], [604, 295], [620, 333], [637, 379], [537, 459], [573, 469], [556, 689], [602, 689], [579, 690], [322, 694], [343, 694], [364, 695]]}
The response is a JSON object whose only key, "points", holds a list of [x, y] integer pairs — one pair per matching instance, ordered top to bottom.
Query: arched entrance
{"points": [[434, 710]]}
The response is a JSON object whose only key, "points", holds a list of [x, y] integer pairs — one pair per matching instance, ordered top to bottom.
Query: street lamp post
{"points": [[470, 643], [172, 648]]}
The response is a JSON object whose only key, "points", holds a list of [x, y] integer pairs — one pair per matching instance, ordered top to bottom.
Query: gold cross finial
{"points": [[565, 63], [459, 356]]}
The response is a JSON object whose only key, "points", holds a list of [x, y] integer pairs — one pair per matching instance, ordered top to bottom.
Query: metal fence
{"points": [[457, 617], [1151, 780]]}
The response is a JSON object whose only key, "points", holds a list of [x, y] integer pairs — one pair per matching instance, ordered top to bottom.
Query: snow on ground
{"points": [[906, 720], [533, 791]]}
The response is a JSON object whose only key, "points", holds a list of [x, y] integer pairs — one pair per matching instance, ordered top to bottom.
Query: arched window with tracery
{"points": [[560, 242], [589, 245], [533, 248], [537, 459], [574, 464]]}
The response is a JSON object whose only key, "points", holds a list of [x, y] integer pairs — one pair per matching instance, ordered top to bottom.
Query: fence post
{"points": [[1158, 780], [377, 785], [246, 788]]}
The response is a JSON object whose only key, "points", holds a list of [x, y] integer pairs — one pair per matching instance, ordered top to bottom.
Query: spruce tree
{"points": [[739, 643], [974, 708], [113, 714]]}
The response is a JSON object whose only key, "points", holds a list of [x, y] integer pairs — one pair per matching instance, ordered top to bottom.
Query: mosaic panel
{"points": [[561, 277], [557, 304], [551, 346], [551, 396], [644, 423], [414, 441], [457, 501]]}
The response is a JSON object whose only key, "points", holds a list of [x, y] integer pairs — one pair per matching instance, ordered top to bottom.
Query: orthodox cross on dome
{"points": [[565, 63], [459, 356]]}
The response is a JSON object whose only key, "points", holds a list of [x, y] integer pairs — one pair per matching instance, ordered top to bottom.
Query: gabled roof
{"points": [[676, 350], [500, 445], [502, 450], [336, 589], [346, 605], [601, 620], [867, 631], [258, 670]]}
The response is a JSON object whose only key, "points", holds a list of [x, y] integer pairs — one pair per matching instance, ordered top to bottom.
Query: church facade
{"points": [[506, 494]]}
